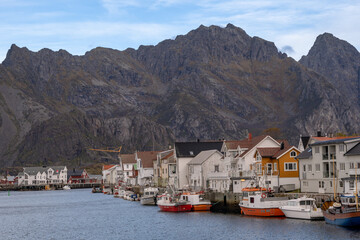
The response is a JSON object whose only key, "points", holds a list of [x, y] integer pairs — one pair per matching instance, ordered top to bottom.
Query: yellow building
{"points": [[277, 167]]}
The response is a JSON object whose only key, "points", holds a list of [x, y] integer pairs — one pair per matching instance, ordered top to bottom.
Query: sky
{"points": [[78, 26]]}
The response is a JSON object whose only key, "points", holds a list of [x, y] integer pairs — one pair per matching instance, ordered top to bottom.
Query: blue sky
{"points": [[81, 25]]}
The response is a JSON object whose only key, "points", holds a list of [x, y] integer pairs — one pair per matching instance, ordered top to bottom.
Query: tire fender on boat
{"points": [[263, 195]]}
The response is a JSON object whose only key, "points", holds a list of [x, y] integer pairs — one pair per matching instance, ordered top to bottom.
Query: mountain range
{"points": [[212, 83]]}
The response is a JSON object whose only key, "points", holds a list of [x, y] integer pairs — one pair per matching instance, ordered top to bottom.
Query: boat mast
{"points": [[334, 177], [356, 189]]}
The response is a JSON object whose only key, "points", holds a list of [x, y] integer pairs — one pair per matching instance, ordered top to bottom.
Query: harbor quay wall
{"points": [[46, 186]]}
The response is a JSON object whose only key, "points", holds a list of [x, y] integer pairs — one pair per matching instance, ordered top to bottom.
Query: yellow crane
{"points": [[114, 150]]}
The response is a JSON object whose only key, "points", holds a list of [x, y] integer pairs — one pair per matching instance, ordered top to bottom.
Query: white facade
{"points": [[205, 166], [327, 169], [182, 170], [43, 175], [112, 175]]}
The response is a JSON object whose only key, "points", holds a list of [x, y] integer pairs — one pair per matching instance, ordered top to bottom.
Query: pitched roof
{"points": [[334, 140], [251, 143], [191, 149], [354, 150], [268, 152], [306, 154], [202, 157], [128, 158], [147, 158], [106, 167], [35, 170], [75, 172]]}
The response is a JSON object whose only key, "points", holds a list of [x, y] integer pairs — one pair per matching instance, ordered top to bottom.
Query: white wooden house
{"points": [[206, 165]]}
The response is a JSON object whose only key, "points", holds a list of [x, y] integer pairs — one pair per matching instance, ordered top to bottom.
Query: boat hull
{"points": [[148, 201], [201, 207], [175, 208], [262, 212], [307, 215], [351, 219]]}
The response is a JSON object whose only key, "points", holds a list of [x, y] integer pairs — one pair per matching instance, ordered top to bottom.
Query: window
{"points": [[341, 147], [317, 150], [332, 152], [325, 153], [293, 154], [258, 157], [351, 165], [275, 166], [290, 166], [342, 166], [258, 167], [304, 167], [309, 167], [317, 167], [216, 168], [268, 168], [191, 169], [235, 182], [305, 183], [330, 183], [321, 184], [341, 184], [351, 185], [252, 200]]}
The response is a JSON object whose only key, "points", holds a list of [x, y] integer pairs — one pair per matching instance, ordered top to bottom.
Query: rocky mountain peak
{"points": [[337, 60]]}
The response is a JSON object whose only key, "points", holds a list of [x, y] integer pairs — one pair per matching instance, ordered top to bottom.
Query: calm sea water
{"points": [[79, 214]]}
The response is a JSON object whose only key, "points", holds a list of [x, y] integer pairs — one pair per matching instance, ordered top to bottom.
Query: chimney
{"points": [[318, 134], [249, 137], [282, 146]]}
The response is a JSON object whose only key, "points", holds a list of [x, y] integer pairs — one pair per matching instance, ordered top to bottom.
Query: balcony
{"points": [[353, 171], [218, 175]]}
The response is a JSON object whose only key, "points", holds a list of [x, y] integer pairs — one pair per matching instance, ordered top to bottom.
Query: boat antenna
{"points": [[356, 189]]}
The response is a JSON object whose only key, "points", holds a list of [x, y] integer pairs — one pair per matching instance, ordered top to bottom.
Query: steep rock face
{"points": [[338, 61], [211, 83]]}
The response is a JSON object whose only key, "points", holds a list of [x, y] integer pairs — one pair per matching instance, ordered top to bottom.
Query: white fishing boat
{"points": [[66, 187], [149, 197], [302, 208]]}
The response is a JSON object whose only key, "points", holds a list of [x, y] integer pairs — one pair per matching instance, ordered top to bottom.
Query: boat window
{"points": [[146, 193], [151, 193], [251, 193], [245, 194], [251, 200], [302, 202], [308, 202]]}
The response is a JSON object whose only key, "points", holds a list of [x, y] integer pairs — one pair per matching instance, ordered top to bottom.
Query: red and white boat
{"points": [[197, 201], [258, 202], [168, 203]]}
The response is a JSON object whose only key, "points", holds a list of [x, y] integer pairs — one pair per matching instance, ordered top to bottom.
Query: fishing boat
{"points": [[66, 187], [96, 190], [149, 197], [197, 201], [260, 202], [170, 203], [302, 208], [346, 213]]}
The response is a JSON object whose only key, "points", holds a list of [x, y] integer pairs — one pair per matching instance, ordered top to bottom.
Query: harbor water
{"points": [[80, 214]]}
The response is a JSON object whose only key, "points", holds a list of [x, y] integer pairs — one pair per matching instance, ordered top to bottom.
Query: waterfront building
{"points": [[184, 153], [240, 161], [145, 165], [327, 165], [277, 167], [164, 168], [130, 169], [206, 170], [111, 174], [43, 175], [77, 176]]}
